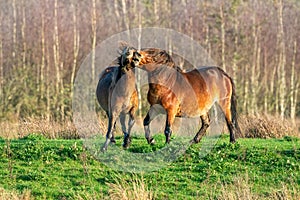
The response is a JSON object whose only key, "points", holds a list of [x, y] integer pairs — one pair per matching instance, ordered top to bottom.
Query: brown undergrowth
{"points": [[252, 126], [266, 126], [50, 129]]}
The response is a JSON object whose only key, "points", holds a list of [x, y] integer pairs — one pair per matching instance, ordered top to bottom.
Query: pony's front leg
{"points": [[152, 113], [169, 121], [131, 122], [146, 123], [123, 125], [127, 137]]}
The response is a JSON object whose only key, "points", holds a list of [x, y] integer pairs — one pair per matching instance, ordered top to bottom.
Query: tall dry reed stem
{"points": [[135, 188]]}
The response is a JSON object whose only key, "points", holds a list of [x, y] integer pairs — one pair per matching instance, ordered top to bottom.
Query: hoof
{"points": [[168, 139], [113, 141], [151, 141], [194, 141], [126, 143], [125, 146], [104, 149]]}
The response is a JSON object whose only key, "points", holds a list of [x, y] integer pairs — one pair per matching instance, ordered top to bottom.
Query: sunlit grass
{"points": [[42, 168]]}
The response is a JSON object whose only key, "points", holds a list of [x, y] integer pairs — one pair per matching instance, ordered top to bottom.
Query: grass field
{"points": [[38, 168]]}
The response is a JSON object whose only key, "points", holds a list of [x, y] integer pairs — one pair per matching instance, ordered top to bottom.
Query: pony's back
{"points": [[106, 79]]}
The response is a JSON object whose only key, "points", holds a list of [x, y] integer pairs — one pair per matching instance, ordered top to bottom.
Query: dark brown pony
{"points": [[187, 94], [117, 95]]}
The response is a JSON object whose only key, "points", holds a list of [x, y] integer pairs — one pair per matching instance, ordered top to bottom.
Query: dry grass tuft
{"points": [[266, 126], [9, 129], [50, 129], [135, 188], [241, 188], [286, 193], [5, 195]]}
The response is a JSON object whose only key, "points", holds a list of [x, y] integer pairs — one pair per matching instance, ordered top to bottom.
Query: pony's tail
{"points": [[233, 109]]}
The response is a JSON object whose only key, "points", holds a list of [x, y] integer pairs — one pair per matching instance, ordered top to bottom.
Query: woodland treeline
{"points": [[43, 43]]}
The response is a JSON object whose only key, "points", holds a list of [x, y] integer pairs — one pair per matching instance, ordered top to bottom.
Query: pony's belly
{"points": [[195, 109], [190, 112]]}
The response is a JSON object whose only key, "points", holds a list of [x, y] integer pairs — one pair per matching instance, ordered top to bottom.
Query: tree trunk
{"points": [[155, 10], [117, 13], [125, 15], [23, 35], [94, 37], [222, 37], [76, 40], [207, 41], [14, 51], [235, 54], [43, 56], [282, 60], [1, 61], [58, 66], [253, 69], [138, 74], [265, 83], [294, 85], [246, 90]]}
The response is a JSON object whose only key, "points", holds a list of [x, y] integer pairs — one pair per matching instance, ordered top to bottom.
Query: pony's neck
{"points": [[157, 56], [151, 67], [126, 71], [125, 82]]}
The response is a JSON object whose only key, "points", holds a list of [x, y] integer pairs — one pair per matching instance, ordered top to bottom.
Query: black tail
{"points": [[233, 106], [233, 109]]}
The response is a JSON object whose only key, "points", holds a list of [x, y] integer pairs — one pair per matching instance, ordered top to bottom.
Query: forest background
{"points": [[44, 42]]}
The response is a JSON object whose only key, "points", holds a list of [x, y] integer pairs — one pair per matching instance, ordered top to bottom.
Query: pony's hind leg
{"points": [[226, 108], [205, 124], [110, 130], [112, 139]]}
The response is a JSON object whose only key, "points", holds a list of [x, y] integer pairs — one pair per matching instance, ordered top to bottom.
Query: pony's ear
{"points": [[123, 44]]}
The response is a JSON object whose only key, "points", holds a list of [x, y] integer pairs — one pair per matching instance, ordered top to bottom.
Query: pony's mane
{"points": [[159, 56], [119, 60]]}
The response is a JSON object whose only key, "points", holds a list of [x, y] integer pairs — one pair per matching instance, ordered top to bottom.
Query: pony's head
{"points": [[155, 55], [129, 58]]}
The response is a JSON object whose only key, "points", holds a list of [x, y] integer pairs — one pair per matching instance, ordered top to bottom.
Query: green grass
{"points": [[63, 169]]}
